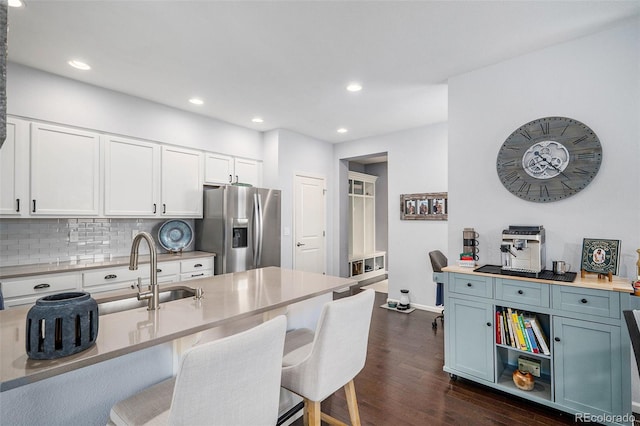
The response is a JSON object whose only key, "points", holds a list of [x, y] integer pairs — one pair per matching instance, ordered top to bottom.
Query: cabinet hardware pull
{"points": [[230, 178], [236, 178], [17, 205], [34, 206], [154, 208], [164, 208], [300, 244], [198, 265], [158, 270], [197, 275], [110, 277], [468, 284], [41, 286], [520, 292], [583, 301], [488, 324], [557, 339]]}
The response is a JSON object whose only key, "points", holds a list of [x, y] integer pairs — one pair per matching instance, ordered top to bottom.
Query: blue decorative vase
{"points": [[61, 324]]}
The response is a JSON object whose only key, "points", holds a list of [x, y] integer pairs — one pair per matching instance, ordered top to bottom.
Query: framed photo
{"points": [[424, 206], [600, 256]]}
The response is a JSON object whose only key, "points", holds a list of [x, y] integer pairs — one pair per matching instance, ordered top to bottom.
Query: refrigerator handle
{"points": [[255, 230], [260, 230]]}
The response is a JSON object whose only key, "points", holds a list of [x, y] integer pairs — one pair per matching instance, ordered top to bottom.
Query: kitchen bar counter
{"points": [[20, 271], [619, 284], [227, 298]]}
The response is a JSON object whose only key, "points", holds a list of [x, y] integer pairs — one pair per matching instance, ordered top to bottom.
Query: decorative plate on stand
{"points": [[175, 235]]}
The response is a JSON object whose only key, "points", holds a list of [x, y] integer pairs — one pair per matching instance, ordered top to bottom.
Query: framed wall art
{"points": [[424, 206], [600, 256]]}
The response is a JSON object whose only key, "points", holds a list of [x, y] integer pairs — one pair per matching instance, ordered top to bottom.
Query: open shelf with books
{"points": [[522, 342]]}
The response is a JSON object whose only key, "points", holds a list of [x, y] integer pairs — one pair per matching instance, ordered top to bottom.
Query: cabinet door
{"points": [[14, 169], [218, 169], [65, 171], [246, 171], [131, 177], [182, 178], [469, 333], [588, 362]]}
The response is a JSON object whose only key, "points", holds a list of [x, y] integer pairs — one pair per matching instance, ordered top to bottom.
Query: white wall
{"points": [[596, 80], [39, 95], [302, 154], [417, 162]]}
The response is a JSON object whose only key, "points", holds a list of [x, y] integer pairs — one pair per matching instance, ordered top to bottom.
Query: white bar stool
{"points": [[315, 365], [231, 381]]}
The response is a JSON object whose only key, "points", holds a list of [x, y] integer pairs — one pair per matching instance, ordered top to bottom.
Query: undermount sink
{"points": [[125, 302]]}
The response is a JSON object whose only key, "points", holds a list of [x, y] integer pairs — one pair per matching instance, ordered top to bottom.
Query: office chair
{"points": [[438, 261]]}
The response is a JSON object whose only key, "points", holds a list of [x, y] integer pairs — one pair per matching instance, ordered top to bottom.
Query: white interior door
{"points": [[309, 224]]}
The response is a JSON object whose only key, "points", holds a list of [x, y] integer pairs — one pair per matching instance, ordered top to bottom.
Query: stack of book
{"points": [[521, 331]]}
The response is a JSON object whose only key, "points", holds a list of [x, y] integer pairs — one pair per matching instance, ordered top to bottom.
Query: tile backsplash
{"points": [[31, 241]]}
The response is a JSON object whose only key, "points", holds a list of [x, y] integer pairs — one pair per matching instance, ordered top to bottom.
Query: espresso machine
{"points": [[522, 249]]}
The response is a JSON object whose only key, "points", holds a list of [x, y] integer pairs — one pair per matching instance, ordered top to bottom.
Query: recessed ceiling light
{"points": [[16, 3], [79, 65], [354, 87], [196, 101], [257, 120], [342, 130]]}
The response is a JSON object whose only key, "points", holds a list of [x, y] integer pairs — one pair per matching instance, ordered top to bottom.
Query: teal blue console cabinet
{"points": [[586, 371]]}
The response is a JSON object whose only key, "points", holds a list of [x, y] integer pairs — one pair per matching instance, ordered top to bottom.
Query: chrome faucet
{"points": [[153, 294]]}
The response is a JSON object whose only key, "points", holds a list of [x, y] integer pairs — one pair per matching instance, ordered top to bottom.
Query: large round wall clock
{"points": [[549, 159]]}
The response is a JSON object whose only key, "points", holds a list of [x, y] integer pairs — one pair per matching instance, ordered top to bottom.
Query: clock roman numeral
{"points": [[545, 128], [564, 130], [525, 134], [580, 139], [585, 156], [508, 163], [580, 171], [510, 176], [525, 187], [566, 187], [544, 191]]}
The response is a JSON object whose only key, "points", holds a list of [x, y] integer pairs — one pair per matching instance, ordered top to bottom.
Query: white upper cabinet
{"points": [[14, 169], [218, 169], [222, 169], [65, 171], [247, 171], [131, 177], [182, 179]]}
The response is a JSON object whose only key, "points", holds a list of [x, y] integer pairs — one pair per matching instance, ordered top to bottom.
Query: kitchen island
{"points": [[140, 344]]}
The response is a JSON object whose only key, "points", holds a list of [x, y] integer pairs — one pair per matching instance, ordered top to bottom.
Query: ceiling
{"points": [[289, 62]]}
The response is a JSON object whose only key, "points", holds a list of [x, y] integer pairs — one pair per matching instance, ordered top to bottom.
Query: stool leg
{"points": [[352, 403], [311, 413]]}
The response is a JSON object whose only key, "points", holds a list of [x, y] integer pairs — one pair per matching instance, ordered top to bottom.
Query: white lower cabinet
{"points": [[196, 268], [107, 279], [23, 291]]}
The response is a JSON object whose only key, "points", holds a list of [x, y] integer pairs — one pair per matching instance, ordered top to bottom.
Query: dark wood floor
{"points": [[403, 383]]}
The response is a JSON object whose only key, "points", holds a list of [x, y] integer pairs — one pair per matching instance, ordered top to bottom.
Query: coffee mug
{"points": [[469, 233], [470, 242], [470, 249], [560, 267]]}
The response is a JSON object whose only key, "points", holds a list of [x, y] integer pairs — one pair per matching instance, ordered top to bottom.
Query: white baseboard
{"points": [[437, 309]]}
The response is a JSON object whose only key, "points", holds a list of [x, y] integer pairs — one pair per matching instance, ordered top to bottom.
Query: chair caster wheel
{"points": [[453, 376]]}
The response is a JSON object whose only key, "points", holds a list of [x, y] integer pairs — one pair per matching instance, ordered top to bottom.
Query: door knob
{"points": [[299, 244]]}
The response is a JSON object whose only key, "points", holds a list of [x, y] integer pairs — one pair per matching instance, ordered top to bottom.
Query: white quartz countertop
{"points": [[20, 271], [622, 285], [227, 298]]}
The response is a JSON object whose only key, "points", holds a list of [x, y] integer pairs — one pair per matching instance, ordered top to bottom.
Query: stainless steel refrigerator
{"points": [[241, 225]]}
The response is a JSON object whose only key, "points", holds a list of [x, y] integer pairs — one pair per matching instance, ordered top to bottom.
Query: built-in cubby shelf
{"points": [[364, 260]]}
